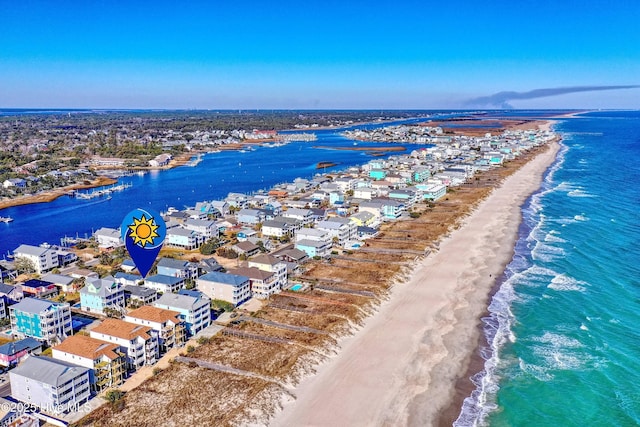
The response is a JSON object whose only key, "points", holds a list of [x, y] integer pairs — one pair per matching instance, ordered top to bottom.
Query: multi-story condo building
{"points": [[41, 259], [263, 283], [232, 288], [194, 308], [46, 321], [166, 325], [138, 343], [105, 361], [52, 385]]}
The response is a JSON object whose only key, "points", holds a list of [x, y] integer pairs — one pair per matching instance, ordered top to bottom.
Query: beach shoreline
{"points": [[383, 377]]}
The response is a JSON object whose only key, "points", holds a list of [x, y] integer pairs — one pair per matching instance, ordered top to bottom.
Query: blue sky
{"points": [[315, 54]]}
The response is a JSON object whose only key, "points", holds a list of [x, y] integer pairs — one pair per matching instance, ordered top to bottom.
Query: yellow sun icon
{"points": [[143, 231]]}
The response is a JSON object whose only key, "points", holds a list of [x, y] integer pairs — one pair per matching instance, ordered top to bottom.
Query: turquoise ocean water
{"points": [[564, 325]]}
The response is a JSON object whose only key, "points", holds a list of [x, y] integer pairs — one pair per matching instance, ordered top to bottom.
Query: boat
{"points": [[6, 219]]}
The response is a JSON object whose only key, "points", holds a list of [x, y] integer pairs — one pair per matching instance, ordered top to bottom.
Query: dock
{"points": [[103, 192]]}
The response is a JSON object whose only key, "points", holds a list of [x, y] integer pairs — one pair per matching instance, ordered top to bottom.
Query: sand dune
{"points": [[402, 366]]}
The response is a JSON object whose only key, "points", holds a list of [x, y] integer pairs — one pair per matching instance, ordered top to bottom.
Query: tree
{"points": [[24, 265]]}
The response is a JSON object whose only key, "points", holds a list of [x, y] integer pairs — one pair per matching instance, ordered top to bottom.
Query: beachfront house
{"points": [[14, 182], [432, 192], [408, 196], [374, 207], [364, 219], [340, 230], [314, 248], [37, 258], [273, 265], [263, 283], [226, 287], [101, 295], [193, 306], [44, 320], [166, 325], [137, 342], [104, 360], [50, 384]]}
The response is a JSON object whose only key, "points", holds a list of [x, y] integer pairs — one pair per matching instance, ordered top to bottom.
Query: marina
{"points": [[102, 192]]}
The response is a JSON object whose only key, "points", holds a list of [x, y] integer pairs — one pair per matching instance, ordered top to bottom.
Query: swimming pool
{"points": [[296, 287]]}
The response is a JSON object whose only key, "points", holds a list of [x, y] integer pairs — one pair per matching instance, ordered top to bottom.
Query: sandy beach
{"points": [[402, 367]]}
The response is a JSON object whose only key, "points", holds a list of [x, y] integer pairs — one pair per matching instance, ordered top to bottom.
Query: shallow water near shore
{"points": [[563, 325]]}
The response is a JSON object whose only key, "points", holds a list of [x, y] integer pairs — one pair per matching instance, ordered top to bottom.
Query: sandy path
{"points": [[401, 368]]}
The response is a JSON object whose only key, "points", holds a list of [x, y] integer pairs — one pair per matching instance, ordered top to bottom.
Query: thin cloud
{"points": [[501, 99]]}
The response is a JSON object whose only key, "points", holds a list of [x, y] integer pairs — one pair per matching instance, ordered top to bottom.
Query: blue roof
{"points": [[173, 263], [127, 276], [226, 278], [165, 280], [36, 283], [6, 289], [190, 293], [35, 305], [14, 347]]}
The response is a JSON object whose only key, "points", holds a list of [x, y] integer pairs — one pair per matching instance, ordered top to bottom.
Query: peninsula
{"points": [[404, 274]]}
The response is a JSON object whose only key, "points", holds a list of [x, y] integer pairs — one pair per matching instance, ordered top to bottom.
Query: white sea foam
{"points": [[579, 193], [552, 237], [546, 253], [563, 282], [498, 326], [540, 373]]}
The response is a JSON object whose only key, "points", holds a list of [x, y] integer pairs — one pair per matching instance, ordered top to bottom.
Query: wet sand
{"points": [[403, 366]]}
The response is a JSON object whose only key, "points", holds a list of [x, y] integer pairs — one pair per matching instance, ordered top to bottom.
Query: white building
{"points": [[340, 229], [108, 238], [43, 259], [273, 265], [226, 287], [194, 308], [166, 325], [137, 342], [104, 360], [50, 384]]}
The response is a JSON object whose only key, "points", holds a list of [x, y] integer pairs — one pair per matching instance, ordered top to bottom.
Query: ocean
{"points": [[563, 328]]}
